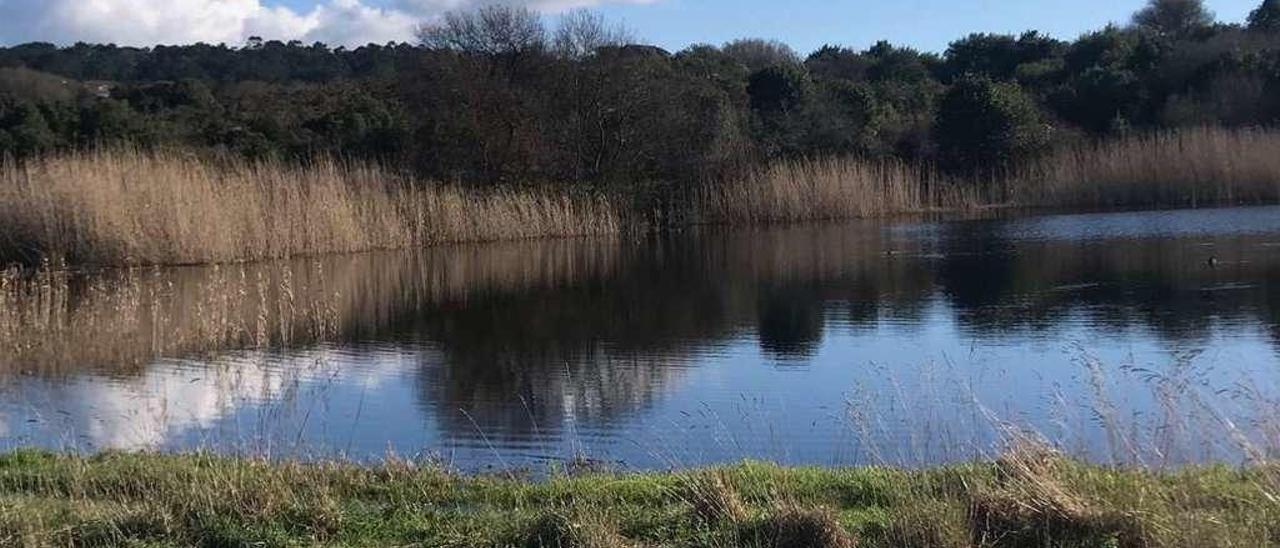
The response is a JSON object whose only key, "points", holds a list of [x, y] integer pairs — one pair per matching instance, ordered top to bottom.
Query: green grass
{"points": [[1030, 498]]}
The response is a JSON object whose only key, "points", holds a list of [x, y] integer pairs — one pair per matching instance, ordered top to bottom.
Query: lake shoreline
{"points": [[127, 207], [1031, 494]]}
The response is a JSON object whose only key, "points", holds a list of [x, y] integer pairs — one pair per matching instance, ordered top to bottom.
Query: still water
{"points": [[1149, 337]]}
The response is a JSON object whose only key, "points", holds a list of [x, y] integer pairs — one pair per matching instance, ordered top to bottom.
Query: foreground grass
{"points": [[1028, 498]]}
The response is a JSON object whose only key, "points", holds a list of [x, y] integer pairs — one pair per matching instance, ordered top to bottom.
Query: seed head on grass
{"points": [[712, 498], [1032, 501], [929, 523], [791, 526], [567, 528]]}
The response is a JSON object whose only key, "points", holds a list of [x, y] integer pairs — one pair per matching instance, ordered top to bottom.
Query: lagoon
{"points": [[1137, 337]]}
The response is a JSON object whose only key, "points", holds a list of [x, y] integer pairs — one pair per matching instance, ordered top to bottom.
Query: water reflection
{"points": [[818, 344]]}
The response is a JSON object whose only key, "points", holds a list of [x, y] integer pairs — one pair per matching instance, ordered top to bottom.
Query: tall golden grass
{"points": [[1186, 168], [833, 188], [126, 207]]}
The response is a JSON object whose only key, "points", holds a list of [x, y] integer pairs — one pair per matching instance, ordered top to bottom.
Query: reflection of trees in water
{"points": [[976, 269], [1164, 286], [118, 321], [791, 321], [539, 334], [595, 351], [514, 362]]}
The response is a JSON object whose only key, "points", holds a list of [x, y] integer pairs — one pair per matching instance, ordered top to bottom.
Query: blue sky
{"points": [[673, 24], [925, 24]]}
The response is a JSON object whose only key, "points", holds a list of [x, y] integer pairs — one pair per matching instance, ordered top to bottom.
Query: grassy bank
{"points": [[132, 208], [1030, 497]]}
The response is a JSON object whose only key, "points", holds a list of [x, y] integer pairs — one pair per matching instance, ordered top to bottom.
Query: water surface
{"points": [[1112, 334]]}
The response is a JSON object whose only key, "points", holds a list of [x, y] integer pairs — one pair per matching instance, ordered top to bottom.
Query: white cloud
{"points": [[150, 22]]}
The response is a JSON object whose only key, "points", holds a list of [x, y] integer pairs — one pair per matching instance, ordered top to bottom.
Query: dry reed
{"points": [[1186, 168], [832, 188], [126, 207], [711, 498]]}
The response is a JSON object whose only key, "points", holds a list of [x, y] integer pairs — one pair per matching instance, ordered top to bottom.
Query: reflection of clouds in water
{"points": [[747, 342], [168, 399], [139, 413]]}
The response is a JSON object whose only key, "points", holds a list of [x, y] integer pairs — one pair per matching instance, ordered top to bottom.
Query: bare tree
{"points": [[491, 30], [581, 32]]}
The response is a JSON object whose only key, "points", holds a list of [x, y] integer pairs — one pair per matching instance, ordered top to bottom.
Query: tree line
{"points": [[497, 96]]}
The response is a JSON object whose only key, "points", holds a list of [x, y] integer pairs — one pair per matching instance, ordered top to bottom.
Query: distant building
{"points": [[101, 90]]}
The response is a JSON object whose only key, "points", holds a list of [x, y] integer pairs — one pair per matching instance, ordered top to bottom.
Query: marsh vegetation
{"points": [[497, 125], [124, 207], [237, 260], [1031, 496]]}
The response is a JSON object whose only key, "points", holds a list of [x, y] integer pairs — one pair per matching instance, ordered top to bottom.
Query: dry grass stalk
{"points": [[1190, 167], [832, 188], [122, 207], [125, 207], [1031, 469], [712, 498], [1032, 502], [793, 526], [576, 529]]}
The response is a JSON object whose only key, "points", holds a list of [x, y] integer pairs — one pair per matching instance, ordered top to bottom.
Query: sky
{"points": [[673, 24]]}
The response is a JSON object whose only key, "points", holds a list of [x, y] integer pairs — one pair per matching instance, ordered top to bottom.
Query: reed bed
{"points": [[1195, 167], [1186, 168], [833, 188], [125, 207]]}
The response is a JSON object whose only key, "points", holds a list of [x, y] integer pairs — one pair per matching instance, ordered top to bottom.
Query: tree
{"points": [[1174, 18], [1266, 18], [491, 30], [582, 32], [1111, 46], [756, 53], [993, 55], [998, 56], [837, 63], [901, 64], [778, 88], [1101, 95], [779, 96], [841, 119], [983, 126], [25, 129]]}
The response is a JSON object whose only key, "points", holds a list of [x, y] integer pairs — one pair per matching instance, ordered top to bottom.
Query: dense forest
{"points": [[497, 96]]}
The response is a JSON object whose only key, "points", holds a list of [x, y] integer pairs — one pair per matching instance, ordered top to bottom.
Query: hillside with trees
{"points": [[495, 96]]}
